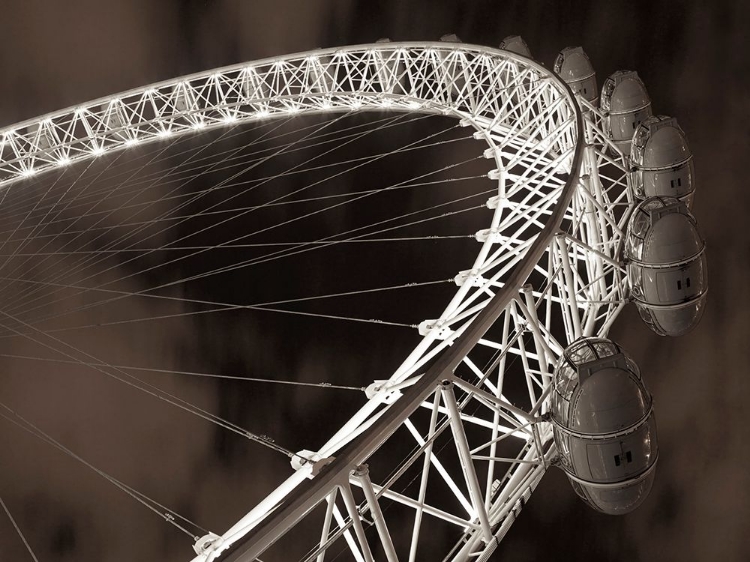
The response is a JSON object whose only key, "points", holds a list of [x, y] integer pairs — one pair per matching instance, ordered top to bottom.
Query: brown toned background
{"points": [[694, 60]]}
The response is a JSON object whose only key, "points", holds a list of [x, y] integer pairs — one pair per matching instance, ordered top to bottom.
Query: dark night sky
{"points": [[693, 59]]}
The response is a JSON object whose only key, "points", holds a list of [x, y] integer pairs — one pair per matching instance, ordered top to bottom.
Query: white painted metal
{"points": [[547, 271]]}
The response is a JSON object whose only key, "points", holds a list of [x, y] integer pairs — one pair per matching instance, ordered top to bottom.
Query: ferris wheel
{"points": [[588, 211]]}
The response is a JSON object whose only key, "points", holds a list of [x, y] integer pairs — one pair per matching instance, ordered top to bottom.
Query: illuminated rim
{"points": [[321, 81], [554, 215]]}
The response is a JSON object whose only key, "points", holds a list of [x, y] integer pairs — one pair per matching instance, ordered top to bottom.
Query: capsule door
{"points": [[680, 285]]}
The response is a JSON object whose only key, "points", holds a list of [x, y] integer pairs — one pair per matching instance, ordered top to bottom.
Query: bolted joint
{"points": [[494, 202], [492, 234], [469, 277], [437, 327], [379, 390], [306, 458], [361, 471], [208, 544]]}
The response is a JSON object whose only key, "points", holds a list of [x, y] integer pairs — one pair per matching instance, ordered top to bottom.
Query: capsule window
{"points": [[687, 282], [679, 285], [628, 458]]}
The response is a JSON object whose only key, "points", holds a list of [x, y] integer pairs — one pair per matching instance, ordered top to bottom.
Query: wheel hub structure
{"points": [[456, 439]]}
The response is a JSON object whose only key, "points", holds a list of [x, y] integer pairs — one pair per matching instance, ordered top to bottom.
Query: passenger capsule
{"points": [[515, 44], [574, 67], [626, 103], [662, 161], [666, 265], [603, 425]]}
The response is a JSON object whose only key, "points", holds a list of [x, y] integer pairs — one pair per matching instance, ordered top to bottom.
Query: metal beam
{"points": [[311, 492]]}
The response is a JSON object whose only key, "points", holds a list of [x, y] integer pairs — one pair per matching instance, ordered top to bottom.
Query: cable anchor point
{"points": [[310, 459]]}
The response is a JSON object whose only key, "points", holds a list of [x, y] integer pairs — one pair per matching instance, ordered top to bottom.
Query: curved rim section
{"points": [[365, 77], [516, 105], [307, 487]]}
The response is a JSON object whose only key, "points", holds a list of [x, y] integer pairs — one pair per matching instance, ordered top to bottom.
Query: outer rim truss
{"points": [[553, 220]]}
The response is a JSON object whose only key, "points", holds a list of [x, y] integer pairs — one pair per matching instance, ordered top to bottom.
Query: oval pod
{"points": [[515, 44], [574, 67], [626, 104], [662, 160], [666, 265], [603, 425]]}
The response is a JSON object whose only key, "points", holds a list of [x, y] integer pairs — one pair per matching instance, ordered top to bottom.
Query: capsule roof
{"points": [[450, 38], [515, 44], [572, 64], [624, 92], [659, 142], [662, 231], [579, 352], [600, 388]]}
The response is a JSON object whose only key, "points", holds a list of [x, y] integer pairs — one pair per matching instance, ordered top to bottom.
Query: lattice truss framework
{"points": [[479, 440]]}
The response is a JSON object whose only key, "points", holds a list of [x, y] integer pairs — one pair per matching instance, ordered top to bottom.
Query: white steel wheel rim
{"points": [[560, 208]]}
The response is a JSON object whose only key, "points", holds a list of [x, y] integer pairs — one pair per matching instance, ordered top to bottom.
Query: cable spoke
{"points": [[18, 529]]}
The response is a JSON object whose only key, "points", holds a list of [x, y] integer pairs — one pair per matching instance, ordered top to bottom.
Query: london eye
{"points": [[552, 205]]}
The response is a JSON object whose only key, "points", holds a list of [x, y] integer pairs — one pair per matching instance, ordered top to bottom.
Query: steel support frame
{"points": [[537, 136]]}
